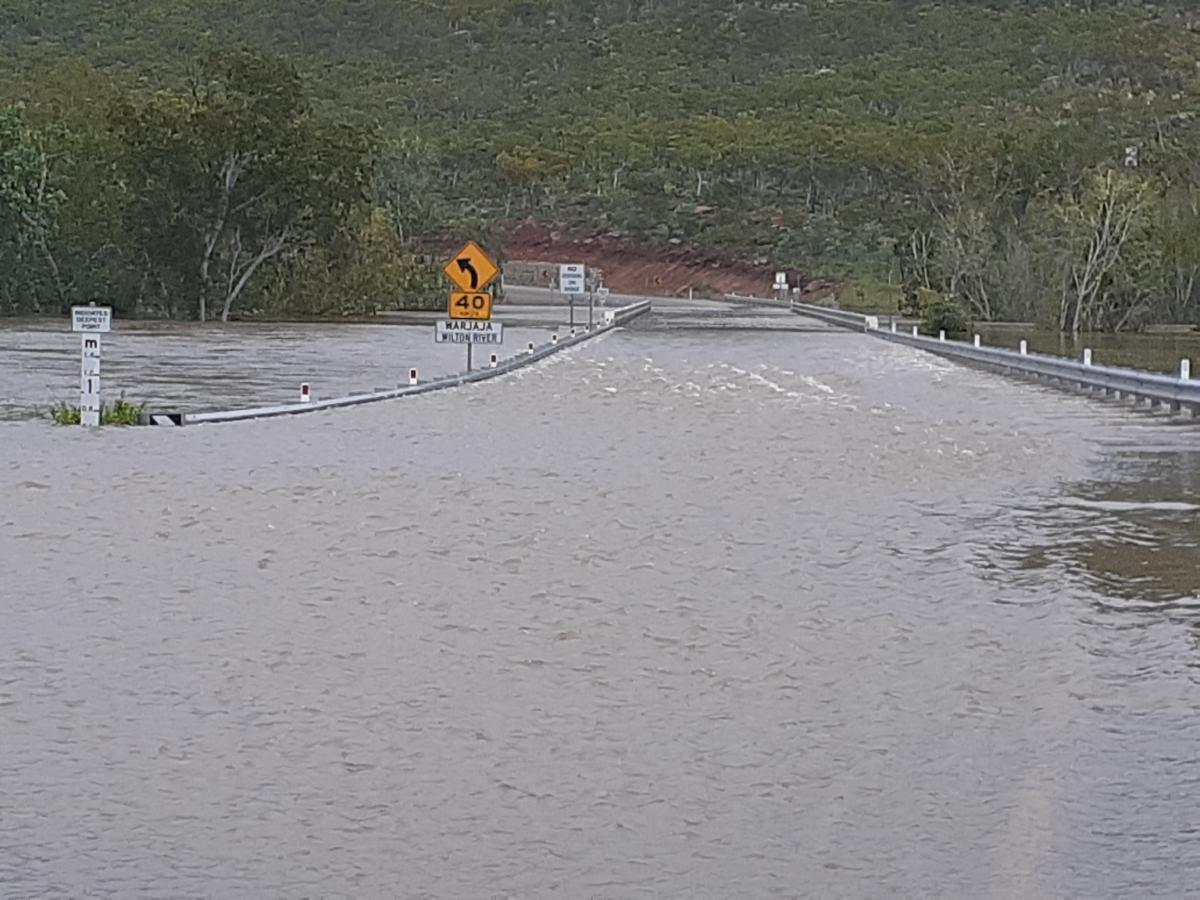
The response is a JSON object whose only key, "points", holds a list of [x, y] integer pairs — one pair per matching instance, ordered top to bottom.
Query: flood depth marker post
{"points": [[471, 270], [90, 322]]}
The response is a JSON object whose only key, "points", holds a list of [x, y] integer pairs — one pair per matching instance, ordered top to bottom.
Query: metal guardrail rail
{"points": [[843, 318], [852, 320], [503, 367], [1176, 393]]}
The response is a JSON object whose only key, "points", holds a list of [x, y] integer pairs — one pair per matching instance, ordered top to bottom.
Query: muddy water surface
{"points": [[669, 615]]}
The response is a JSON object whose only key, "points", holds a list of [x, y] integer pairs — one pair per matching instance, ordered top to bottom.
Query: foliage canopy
{"points": [[929, 143]]}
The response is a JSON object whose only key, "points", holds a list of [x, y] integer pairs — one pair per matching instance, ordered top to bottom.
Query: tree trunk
{"points": [[231, 171], [39, 227], [273, 248], [55, 273], [204, 290]]}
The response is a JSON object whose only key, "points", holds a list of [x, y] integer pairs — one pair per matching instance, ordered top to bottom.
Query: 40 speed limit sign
{"points": [[470, 305]]}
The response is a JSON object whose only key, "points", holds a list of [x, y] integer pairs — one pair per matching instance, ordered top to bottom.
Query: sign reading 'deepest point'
{"points": [[96, 319]]}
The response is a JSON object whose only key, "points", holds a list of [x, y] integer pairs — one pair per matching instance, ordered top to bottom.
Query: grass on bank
{"points": [[870, 297], [120, 413]]}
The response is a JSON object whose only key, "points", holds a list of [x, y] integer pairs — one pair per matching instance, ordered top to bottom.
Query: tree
{"points": [[799, 130], [235, 174], [29, 200], [1177, 232], [1088, 233], [364, 268]]}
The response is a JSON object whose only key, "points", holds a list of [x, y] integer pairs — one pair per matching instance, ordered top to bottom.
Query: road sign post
{"points": [[471, 270], [571, 279], [90, 322]]}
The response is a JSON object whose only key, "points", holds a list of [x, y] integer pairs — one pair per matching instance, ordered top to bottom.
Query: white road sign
{"points": [[571, 278], [781, 281], [95, 319], [469, 331]]}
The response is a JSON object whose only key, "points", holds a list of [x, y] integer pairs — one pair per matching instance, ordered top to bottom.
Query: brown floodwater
{"points": [[1157, 352], [193, 368], [676, 613]]}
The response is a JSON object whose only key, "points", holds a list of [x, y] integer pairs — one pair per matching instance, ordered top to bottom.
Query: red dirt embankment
{"points": [[631, 266]]}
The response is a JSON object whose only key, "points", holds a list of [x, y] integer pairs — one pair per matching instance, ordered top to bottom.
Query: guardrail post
{"points": [[941, 335], [978, 341], [1024, 348], [1087, 356], [1185, 369]]}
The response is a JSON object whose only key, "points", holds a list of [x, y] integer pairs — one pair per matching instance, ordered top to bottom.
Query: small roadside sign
{"points": [[471, 268], [571, 278], [470, 305], [94, 319], [469, 331]]}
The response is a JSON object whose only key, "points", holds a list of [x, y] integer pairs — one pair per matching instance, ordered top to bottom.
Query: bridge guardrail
{"points": [[629, 313], [842, 317], [613, 319], [1175, 392]]}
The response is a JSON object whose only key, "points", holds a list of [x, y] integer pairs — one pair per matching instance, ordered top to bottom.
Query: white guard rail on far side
{"points": [[1175, 392]]}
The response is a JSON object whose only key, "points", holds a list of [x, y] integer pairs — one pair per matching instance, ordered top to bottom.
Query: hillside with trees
{"points": [[1005, 160]]}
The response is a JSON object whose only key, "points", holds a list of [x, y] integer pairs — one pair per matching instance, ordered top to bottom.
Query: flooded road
{"points": [[188, 368], [673, 614]]}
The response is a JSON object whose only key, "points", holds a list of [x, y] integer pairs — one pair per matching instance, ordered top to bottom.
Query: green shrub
{"points": [[872, 296], [941, 313], [120, 413], [66, 415]]}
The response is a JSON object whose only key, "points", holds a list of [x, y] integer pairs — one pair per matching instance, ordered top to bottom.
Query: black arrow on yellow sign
{"points": [[464, 266], [471, 269]]}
